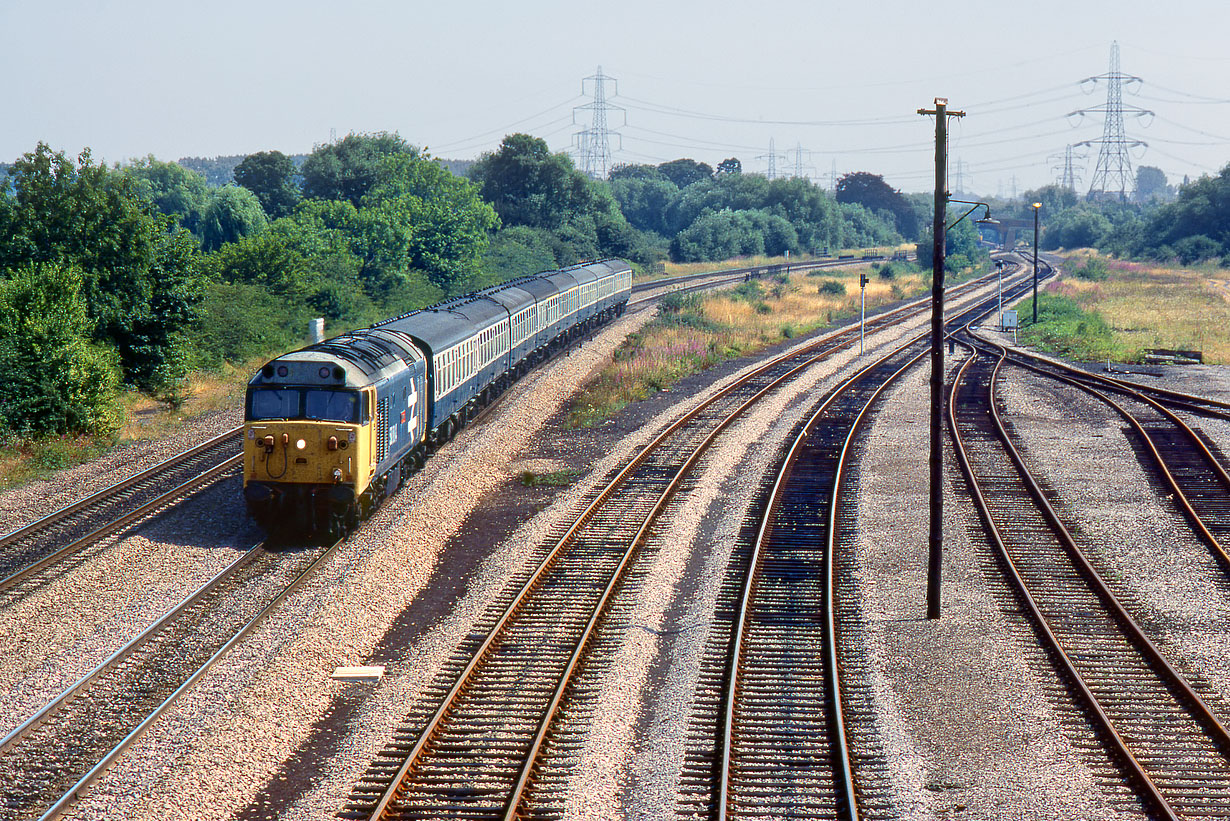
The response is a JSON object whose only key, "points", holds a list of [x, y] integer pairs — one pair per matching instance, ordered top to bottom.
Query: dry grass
{"points": [[678, 269], [1151, 306], [695, 333], [208, 391], [25, 460]]}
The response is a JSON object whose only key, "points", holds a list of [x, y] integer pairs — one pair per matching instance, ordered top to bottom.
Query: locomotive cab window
{"points": [[273, 403], [311, 403], [331, 406]]}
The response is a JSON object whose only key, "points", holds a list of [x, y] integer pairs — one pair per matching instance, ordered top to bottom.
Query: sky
{"points": [[706, 80]]}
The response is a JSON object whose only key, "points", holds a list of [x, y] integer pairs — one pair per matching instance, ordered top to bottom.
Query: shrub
{"points": [[1193, 249], [1093, 269], [833, 287], [748, 292], [240, 321], [52, 378]]}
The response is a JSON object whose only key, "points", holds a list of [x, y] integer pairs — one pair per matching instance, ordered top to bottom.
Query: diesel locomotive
{"points": [[335, 427]]}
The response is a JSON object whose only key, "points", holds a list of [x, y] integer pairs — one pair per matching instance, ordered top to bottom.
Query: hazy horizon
{"points": [[843, 83]]}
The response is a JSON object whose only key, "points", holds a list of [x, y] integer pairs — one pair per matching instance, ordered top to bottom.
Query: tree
{"points": [[731, 165], [347, 169], [217, 171], [632, 171], [685, 172], [270, 175], [1151, 184], [528, 185], [173, 189], [873, 193], [1054, 199], [644, 201], [1202, 209], [233, 212], [444, 220], [1075, 228], [719, 235], [961, 249], [515, 252], [139, 271], [52, 378]]}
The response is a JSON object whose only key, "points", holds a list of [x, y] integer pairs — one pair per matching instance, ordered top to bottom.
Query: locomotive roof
{"points": [[352, 360]]}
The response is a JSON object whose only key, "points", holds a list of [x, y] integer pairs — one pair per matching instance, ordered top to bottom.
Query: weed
{"points": [[696, 332], [557, 478]]}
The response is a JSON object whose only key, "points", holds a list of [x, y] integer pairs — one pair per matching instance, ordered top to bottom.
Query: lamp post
{"points": [[1037, 206]]}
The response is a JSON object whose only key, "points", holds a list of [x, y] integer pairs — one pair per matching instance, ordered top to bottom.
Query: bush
{"points": [[1193, 249], [1093, 269], [886, 271], [832, 287], [748, 292], [240, 321], [52, 378]]}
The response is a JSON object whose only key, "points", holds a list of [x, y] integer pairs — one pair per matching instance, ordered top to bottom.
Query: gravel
{"points": [[1137, 541], [120, 587], [263, 712], [970, 719]]}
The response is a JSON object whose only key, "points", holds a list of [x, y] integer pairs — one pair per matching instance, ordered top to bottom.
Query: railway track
{"points": [[1183, 461], [70, 530], [29, 554], [92, 723], [1160, 734], [492, 744], [783, 750], [48, 762]]}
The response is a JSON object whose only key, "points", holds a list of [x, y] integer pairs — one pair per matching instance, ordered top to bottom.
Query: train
{"points": [[332, 429]]}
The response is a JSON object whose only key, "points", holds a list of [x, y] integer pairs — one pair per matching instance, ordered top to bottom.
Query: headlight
{"points": [[300, 444]]}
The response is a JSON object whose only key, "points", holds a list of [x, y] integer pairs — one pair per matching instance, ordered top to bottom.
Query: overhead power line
{"points": [[504, 130]]}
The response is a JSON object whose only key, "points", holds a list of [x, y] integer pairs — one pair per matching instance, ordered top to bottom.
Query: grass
{"points": [[1141, 305], [694, 332], [27, 460], [557, 478]]}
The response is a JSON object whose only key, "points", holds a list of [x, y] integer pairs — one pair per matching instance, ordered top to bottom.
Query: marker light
{"points": [[300, 444]]}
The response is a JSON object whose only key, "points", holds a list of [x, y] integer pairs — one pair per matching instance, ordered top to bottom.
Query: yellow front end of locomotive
{"points": [[308, 452]]}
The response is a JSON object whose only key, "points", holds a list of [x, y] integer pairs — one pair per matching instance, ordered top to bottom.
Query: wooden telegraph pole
{"points": [[935, 553]]}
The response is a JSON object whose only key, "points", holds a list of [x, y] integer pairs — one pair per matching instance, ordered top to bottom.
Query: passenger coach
{"points": [[335, 427]]}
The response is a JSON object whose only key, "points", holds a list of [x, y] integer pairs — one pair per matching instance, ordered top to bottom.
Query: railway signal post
{"points": [[862, 311]]}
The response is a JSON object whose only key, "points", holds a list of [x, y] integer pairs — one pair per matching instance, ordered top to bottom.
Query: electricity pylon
{"points": [[593, 144], [1113, 175]]}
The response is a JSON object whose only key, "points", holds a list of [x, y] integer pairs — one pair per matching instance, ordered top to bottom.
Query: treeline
{"points": [[694, 213], [1193, 227], [132, 276]]}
